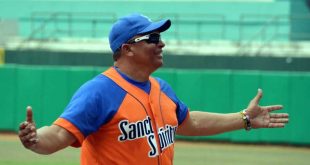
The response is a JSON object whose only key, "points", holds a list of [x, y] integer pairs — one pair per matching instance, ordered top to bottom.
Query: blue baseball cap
{"points": [[131, 25]]}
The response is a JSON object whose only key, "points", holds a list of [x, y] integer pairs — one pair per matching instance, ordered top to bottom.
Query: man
{"points": [[124, 116]]}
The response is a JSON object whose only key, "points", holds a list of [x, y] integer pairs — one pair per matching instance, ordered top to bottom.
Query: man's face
{"points": [[147, 51]]}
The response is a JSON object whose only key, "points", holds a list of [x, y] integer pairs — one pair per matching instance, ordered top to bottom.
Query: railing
{"points": [[69, 24], [47, 25], [196, 26], [245, 30]]}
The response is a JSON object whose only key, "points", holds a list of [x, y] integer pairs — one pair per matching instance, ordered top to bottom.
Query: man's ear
{"points": [[126, 48]]}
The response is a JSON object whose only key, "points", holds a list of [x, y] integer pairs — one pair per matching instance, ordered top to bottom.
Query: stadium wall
{"points": [[188, 61], [49, 88]]}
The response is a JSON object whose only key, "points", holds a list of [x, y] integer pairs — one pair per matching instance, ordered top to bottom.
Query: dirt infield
{"points": [[8, 136], [11, 136], [186, 152]]}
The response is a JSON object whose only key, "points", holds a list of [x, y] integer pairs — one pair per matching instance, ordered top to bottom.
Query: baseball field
{"points": [[187, 153]]}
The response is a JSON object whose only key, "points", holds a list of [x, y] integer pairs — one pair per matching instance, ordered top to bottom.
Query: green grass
{"points": [[13, 153], [186, 153], [233, 154]]}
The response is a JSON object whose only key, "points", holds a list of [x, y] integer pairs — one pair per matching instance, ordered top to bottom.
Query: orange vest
{"points": [[141, 132]]}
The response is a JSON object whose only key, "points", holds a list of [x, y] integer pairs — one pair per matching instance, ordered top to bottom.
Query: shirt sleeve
{"points": [[91, 107], [182, 109]]}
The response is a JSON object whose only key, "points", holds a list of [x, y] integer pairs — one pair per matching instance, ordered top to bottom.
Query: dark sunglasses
{"points": [[153, 38]]}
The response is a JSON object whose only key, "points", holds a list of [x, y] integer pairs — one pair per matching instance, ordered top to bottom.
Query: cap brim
{"points": [[160, 26]]}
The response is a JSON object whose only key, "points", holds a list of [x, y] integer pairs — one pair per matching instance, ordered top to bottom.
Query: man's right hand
{"points": [[28, 131]]}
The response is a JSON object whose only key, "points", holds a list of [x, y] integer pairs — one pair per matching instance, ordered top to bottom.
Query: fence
{"points": [[48, 90]]}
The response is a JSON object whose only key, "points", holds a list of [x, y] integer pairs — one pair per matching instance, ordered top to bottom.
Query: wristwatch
{"points": [[246, 120]]}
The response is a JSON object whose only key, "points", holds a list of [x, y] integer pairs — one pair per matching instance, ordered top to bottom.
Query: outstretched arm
{"points": [[205, 123], [45, 140]]}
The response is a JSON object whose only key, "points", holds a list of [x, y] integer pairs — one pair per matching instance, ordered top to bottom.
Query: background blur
{"points": [[217, 54]]}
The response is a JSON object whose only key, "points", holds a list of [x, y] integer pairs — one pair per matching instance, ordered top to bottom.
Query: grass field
{"points": [[186, 153]]}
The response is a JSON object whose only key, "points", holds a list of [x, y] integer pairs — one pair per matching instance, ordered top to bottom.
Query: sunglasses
{"points": [[152, 38]]}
